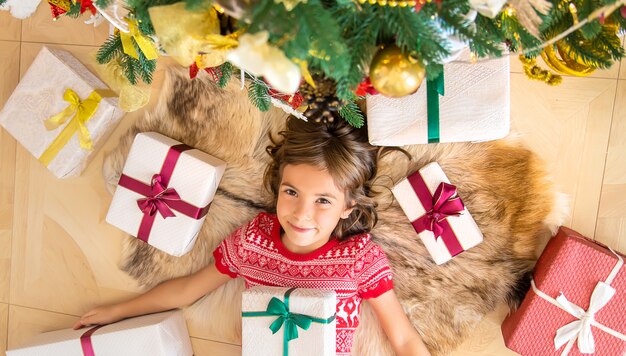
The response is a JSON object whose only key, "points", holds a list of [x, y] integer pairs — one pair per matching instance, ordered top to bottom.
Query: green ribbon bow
{"points": [[434, 88], [292, 321]]}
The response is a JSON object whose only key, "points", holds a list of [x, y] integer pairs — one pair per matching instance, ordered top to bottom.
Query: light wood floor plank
{"points": [[11, 27], [41, 28], [10, 59], [568, 126], [611, 224], [4, 326]]}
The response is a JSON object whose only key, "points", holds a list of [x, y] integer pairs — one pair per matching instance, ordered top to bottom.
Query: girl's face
{"points": [[309, 207]]}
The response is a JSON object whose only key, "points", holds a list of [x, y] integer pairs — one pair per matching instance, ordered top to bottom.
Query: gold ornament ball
{"points": [[394, 74]]}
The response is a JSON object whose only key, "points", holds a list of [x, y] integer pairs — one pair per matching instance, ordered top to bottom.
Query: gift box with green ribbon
{"points": [[468, 102], [61, 112], [288, 321]]}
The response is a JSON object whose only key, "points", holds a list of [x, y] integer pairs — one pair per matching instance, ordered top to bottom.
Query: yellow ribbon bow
{"points": [[145, 45], [82, 111]]}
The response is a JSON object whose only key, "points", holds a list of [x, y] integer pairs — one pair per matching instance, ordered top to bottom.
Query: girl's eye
{"points": [[290, 192], [323, 201]]}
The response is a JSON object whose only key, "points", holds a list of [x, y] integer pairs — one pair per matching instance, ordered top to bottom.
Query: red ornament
{"points": [[56, 11], [623, 11], [366, 88]]}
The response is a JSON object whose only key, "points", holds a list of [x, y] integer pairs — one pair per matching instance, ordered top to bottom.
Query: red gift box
{"points": [[575, 267]]}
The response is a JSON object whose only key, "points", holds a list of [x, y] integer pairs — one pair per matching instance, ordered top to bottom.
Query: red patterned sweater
{"points": [[355, 268]]}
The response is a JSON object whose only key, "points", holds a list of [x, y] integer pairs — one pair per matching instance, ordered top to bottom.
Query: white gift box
{"points": [[39, 96], [475, 107], [195, 178], [461, 228], [149, 335], [257, 338]]}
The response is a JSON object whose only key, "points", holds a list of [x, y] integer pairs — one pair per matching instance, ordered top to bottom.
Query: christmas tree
{"points": [[327, 54]]}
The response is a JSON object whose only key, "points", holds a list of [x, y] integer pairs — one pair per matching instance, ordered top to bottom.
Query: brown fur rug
{"points": [[503, 185]]}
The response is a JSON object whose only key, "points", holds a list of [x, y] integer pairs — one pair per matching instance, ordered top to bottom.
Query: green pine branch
{"points": [[2, 2], [74, 11], [362, 28], [591, 30], [415, 33], [299, 35], [517, 36], [482, 43], [111, 48], [325, 49], [600, 52], [146, 66], [131, 68], [134, 68], [227, 71], [258, 93], [352, 114]]}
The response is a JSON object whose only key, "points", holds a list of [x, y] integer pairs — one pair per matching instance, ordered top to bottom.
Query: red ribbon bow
{"points": [[159, 199], [445, 203]]}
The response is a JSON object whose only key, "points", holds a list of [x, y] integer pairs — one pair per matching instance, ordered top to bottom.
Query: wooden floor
{"points": [[59, 258]]}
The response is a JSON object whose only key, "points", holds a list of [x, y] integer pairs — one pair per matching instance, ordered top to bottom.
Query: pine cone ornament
{"points": [[322, 102]]}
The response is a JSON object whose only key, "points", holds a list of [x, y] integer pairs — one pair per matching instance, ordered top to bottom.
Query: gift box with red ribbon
{"points": [[61, 112], [164, 192], [437, 213], [576, 302], [288, 322], [161, 334]]}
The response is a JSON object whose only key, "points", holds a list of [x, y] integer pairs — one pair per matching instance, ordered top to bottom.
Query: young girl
{"points": [[321, 175]]}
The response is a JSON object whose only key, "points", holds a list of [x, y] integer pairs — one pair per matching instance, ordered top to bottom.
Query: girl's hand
{"points": [[100, 316]]}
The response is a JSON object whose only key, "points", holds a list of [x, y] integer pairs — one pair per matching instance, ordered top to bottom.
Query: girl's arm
{"points": [[168, 295], [404, 339]]}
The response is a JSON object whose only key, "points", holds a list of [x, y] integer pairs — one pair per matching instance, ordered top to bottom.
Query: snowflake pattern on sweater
{"points": [[355, 268]]}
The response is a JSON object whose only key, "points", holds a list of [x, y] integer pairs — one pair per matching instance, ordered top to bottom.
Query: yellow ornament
{"points": [[565, 64], [395, 74]]}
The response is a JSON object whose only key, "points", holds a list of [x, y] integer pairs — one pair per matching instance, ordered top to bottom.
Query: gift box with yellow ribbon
{"points": [[61, 112], [164, 192], [437, 213], [288, 321]]}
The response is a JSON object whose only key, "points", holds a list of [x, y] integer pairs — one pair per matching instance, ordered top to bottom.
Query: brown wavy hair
{"points": [[340, 149]]}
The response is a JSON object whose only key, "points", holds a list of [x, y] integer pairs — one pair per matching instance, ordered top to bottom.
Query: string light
{"points": [[390, 3]]}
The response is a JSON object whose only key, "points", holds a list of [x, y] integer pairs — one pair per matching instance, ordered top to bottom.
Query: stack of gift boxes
{"points": [[165, 190]]}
